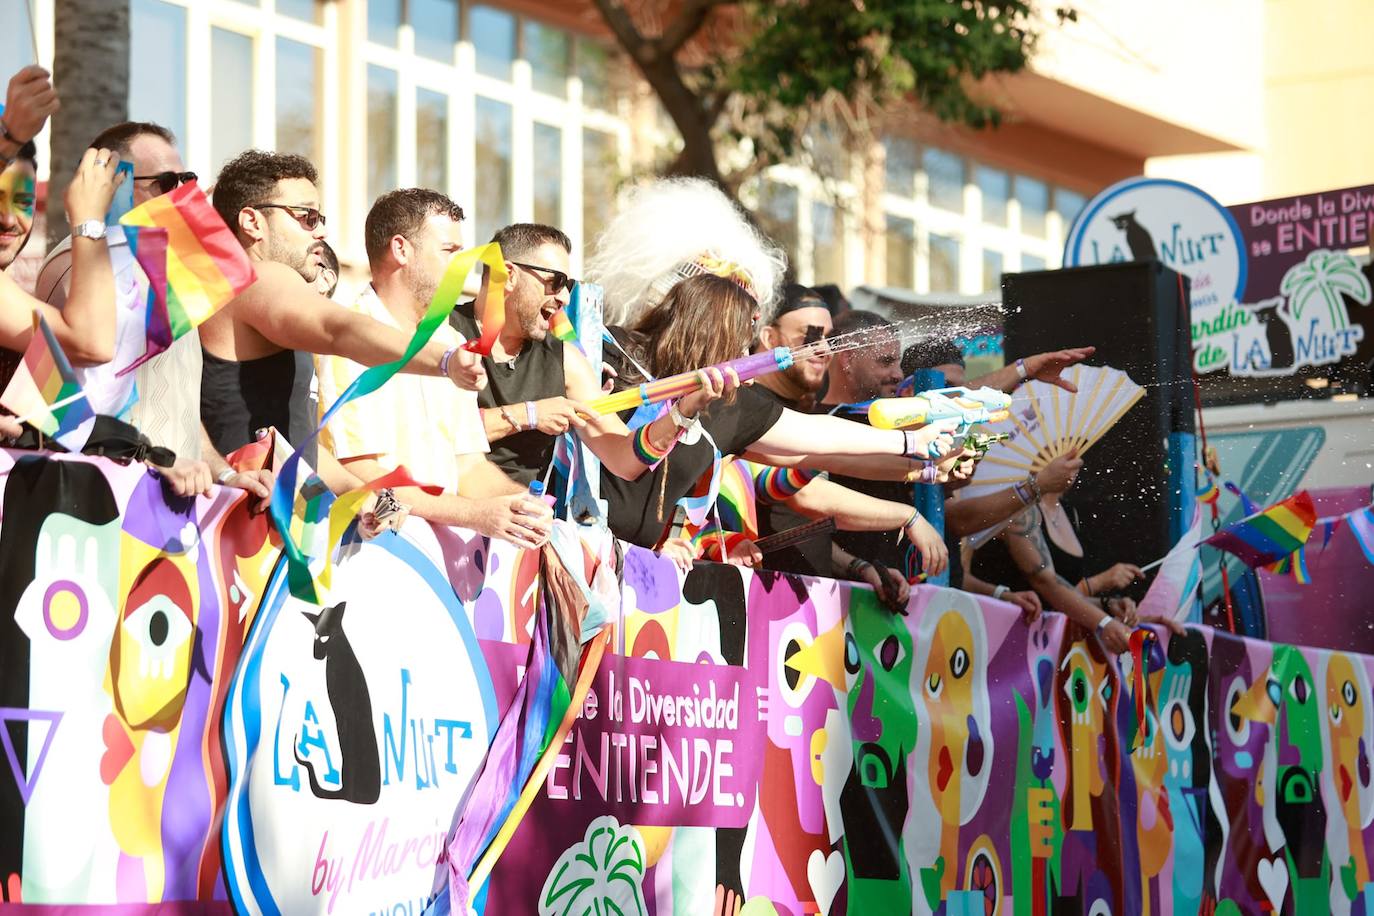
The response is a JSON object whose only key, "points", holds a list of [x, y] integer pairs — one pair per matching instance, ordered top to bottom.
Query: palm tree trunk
{"points": [[91, 75]]}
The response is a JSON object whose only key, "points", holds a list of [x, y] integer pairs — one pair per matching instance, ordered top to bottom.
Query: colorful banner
{"points": [[180, 729]]}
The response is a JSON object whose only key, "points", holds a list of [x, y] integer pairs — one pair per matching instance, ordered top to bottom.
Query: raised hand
{"points": [[29, 102], [93, 187], [1046, 367]]}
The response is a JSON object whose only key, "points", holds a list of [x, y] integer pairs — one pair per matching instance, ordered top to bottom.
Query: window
{"points": [[308, 10], [384, 22], [436, 28], [492, 33], [547, 48], [16, 49], [157, 65], [594, 68], [231, 95], [298, 99], [381, 130], [493, 138], [431, 139], [828, 151], [900, 167], [600, 172], [945, 173], [548, 174], [996, 188], [1035, 204], [1069, 204], [777, 215], [827, 245], [901, 251], [1032, 262], [944, 264], [992, 270]]}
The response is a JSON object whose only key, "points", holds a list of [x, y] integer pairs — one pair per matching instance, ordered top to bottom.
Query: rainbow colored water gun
{"points": [[968, 406]]}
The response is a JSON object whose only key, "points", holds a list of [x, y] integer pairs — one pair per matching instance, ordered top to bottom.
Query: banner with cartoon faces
{"points": [[181, 735]]}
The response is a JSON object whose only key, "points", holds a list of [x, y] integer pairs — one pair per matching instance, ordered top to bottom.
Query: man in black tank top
{"points": [[258, 369], [538, 388]]}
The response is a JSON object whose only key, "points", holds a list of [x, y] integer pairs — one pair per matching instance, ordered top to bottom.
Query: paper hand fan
{"points": [[1046, 422]]}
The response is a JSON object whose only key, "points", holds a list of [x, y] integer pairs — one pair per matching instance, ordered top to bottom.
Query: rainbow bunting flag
{"points": [[193, 262], [44, 391], [1269, 535], [1295, 565]]}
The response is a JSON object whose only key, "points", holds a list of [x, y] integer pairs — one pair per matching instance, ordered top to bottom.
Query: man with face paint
{"points": [[18, 194]]}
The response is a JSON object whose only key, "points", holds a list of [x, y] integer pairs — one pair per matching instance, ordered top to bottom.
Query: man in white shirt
{"points": [[424, 423]]}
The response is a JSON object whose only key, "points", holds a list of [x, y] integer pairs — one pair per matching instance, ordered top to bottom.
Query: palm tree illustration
{"points": [[1321, 279]]}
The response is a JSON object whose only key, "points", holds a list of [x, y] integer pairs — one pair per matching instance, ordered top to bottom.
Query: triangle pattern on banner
{"points": [[10, 714]]}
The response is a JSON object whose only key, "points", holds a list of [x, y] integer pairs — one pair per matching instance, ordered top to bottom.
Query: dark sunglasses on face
{"points": [[168, 181], [308, 217], [560, 280]]}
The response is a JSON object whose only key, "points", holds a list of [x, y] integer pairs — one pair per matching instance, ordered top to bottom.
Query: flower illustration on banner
{"points": [[1321, 280], [600, 875]]}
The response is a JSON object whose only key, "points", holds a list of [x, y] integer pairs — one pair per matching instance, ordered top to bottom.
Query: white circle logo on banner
{"points": [[1176, 223]]}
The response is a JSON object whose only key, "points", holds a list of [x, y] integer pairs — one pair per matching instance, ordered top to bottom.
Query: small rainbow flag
{"points": [[193, 262], [562, 328], [44, 391], [1211, 492], [1271, 534], [1295, 565]]}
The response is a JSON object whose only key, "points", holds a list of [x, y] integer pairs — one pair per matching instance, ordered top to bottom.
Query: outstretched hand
{"points": [[1046, 367]]}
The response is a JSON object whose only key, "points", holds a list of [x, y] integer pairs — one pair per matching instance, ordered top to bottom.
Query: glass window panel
{"points": [[308, 10], [384, 22], [436, 28], [492, 33], [16, 43], [547, 50], [157, 65], [594, 67], [231, 95], [298, 99], [381, 130], [431, 139], [827, 148], [900, 168], [548, 174], [600, 175], [945, 176], [996, 187], [493, 203], [1035, 204], [1068, 204], [777, 216], [827, 244], [901, 252], [1032, 262], [944, 264], [992, 270]]}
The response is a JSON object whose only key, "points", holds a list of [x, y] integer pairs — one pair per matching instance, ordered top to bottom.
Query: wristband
{"points": [[9, 137], [444, 360], [1021, 368], [531, 414], [505, 415], [911, 447], [645, 450], [223, 476], [1033, 487], [1019, 488], [911, 521], [857, 566], [1085, 588], [999, 591], [1103, 623]]}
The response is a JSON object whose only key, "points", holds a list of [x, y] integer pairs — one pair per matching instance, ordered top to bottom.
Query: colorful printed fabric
{"points": [[193, 262], [44, 391], [740, 487], [1271, 534], [1174, 591]]}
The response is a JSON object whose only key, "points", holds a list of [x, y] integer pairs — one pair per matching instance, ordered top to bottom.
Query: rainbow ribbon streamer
{"points": [[193, 262], [44, 391], [1295, 565], [300, 579], [1140, 641]]}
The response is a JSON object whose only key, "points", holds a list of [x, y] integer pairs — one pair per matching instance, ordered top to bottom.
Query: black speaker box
{"points": [[1131, 313]]}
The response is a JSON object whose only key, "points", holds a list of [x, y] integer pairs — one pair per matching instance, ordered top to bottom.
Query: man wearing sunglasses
{"points": [[538, 388], [162, 396]]}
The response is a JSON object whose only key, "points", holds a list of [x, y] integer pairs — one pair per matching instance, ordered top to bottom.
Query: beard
{"points": [[302, 260]]}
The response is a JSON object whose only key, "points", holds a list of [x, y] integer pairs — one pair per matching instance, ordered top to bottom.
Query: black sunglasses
{"points": [[168, 181], [308, 217], [560, 280]]}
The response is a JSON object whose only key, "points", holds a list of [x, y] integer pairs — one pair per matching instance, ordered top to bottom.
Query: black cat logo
{"points": [[1141, 243], [1277, 335], [360, 778]]}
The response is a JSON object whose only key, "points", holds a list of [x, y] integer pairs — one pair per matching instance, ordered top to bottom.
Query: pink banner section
{"points": [[182, 736]]}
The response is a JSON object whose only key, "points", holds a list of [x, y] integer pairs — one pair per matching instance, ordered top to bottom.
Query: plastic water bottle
{"points": [[537, 491]]}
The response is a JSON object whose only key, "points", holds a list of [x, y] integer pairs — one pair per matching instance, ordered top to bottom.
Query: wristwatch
{"points": [[93, 229], [690, 427]]}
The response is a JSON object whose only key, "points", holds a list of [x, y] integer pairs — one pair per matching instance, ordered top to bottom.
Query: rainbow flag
{"points": [[193, 262], [562, 328], [44, 391], [1211, 492], [1269, 535], [1295, 565]]}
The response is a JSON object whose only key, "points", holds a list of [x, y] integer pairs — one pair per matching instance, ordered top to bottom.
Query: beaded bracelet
{"points": [[645, 450]]}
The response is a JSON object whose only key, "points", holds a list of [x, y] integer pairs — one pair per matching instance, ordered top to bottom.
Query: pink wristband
{"points": [[531, 414]]}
